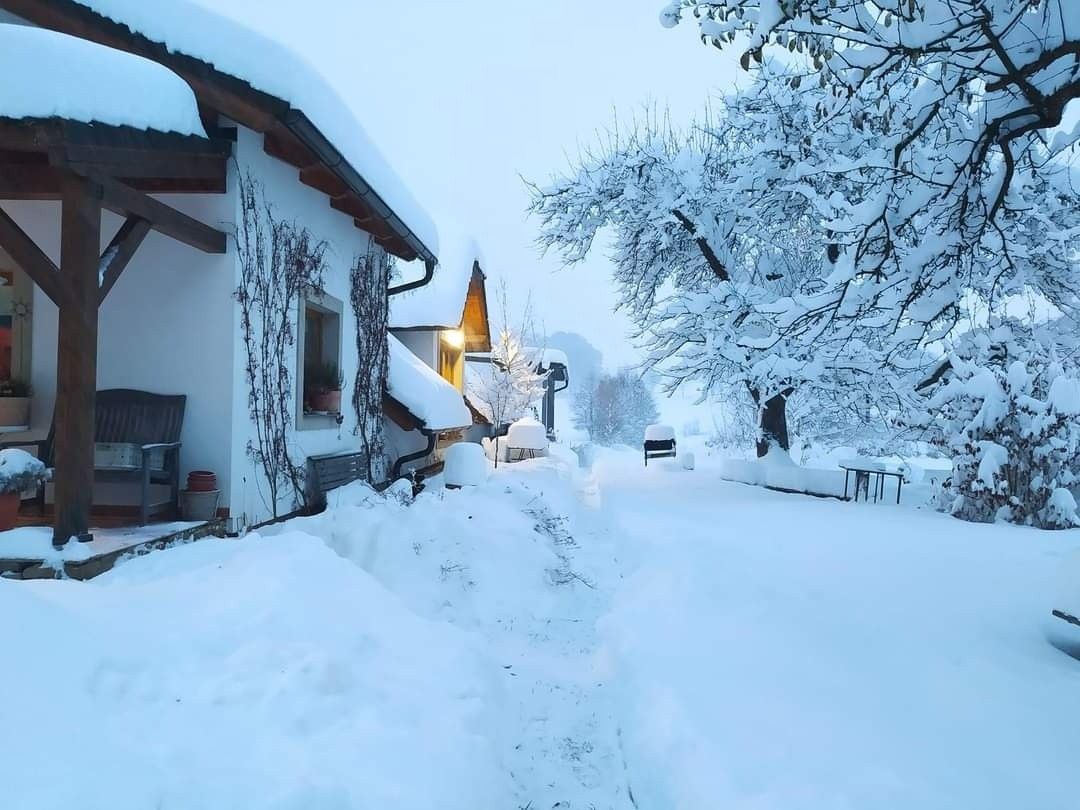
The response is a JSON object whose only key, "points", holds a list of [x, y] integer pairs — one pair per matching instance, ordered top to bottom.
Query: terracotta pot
{"points": [[327, 401], [14, 411], [201, 481], [9, 510]]}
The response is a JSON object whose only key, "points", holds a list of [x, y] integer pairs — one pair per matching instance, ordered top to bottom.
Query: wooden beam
{"points": [[281, 144], [322, 179], [30, 182], [128, 202], [25, 253], [119, 253], [76, 363]]}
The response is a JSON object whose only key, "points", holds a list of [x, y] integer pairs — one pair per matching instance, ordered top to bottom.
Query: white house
{"points": [[193, 200], [438, 323]]}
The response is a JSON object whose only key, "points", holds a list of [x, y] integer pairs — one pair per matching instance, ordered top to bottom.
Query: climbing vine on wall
{"points": [[280, 263], [368, 282]]}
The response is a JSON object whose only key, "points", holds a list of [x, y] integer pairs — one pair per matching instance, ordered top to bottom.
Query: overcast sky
{"points": [[465, 96]]}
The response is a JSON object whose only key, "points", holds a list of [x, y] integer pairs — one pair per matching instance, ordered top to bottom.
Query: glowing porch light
{"points": [[454, 338]]}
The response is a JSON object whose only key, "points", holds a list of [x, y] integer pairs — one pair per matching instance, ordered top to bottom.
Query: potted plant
{"points": [[323, 385], [14, 403], [19, 472]]}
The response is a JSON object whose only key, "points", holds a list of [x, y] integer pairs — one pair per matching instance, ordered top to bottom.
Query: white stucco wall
{"points": [[293, 200], [424, 343]]}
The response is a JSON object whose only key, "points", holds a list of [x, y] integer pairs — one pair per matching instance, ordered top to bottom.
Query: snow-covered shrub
{"points": [[1010, 417], [20, 471]]}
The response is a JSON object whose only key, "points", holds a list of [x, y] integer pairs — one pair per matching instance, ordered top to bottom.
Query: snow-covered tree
{"points": [[934, 122], [708, 280], [510, 388], [1005, 406], [616, 408]]}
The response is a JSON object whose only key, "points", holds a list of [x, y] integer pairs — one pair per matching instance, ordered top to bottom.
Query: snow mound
{"points": [[78, 80], [428, 397], [659, 433], [527, 434], [15, 462], [465, 465], [772, 471], [264, 673]]}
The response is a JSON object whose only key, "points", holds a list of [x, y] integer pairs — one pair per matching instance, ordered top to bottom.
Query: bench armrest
{"points": [[146, 448]]}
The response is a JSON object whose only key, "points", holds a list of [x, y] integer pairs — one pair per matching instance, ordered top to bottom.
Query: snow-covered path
{"points": [[778, 651]]}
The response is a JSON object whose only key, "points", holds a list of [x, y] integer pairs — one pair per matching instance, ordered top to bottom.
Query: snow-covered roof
{"points": [[267, 65], [52, 75], [439, 304], [428, 397]]}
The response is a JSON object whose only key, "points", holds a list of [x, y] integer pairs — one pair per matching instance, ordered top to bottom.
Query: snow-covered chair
{"points": [[659, 442]]}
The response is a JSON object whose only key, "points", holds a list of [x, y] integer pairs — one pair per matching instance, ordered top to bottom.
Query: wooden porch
{"points": [[88, 169]]}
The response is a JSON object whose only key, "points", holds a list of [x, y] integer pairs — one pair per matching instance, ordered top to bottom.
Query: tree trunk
{"points": [[772, 423]]}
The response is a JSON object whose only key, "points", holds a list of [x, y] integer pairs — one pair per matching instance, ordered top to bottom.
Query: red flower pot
{"points": [[326, 401], [201, 481], [9, 510]]}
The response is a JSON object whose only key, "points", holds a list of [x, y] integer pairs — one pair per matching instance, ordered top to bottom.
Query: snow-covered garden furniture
{"points": [[136, 438], [526, 438], [659, 442], [464, 465], [330, 471], [864, 474]]}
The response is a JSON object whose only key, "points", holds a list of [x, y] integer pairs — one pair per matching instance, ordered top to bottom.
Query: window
{"points": [[16, 293], [451, 357], [320, 373]]}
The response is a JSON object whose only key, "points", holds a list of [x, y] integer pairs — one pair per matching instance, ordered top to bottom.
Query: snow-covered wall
{"points": [[424, 343], [317, 435]]}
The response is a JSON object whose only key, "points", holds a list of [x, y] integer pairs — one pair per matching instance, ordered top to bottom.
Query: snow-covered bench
{"points": [[659, 442]]}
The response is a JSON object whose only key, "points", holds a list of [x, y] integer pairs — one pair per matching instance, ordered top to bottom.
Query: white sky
{"points": [[464, 97]]}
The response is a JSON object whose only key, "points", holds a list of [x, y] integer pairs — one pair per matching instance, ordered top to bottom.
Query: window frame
{"points": [[326, 305]]}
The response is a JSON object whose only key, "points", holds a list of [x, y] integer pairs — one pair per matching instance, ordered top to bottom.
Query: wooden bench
{"points": [[149, 424], [659, 448], [330, 471]]}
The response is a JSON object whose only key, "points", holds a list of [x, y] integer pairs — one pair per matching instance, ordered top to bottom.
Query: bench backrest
{"points": [[128, 416], [659, 445], [331, 471]]}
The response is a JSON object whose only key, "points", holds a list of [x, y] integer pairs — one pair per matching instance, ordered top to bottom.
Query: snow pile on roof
{"points": [[268, 65], [51, 75], [441, 302], [429, 397], [263, 673]]}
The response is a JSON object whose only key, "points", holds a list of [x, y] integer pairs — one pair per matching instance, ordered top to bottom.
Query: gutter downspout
{"points": [[429, 271], [395, 471]]}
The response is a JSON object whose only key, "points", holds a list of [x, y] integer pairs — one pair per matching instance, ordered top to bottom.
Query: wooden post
{"points": [[76, 365]]}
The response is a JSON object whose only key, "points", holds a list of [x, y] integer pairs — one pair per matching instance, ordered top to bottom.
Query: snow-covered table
{"points": [[863, 474]]}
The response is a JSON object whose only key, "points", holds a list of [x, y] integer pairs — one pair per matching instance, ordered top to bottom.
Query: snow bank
{"points": [[190, 28], [52, 75], [441, 302], [417, 386], [659, 433], [527, 434], [465, 465], [772, 471], [257, 673]]}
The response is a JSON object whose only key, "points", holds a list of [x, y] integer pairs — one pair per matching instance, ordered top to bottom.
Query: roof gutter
{"points": [[300, 126]]}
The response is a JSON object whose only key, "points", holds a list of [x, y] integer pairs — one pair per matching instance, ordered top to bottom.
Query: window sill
{"points": [[313, 420]]}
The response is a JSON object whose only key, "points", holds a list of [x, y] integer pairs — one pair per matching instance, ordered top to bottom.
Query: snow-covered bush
{"points": [[1010, 417], [20, 471]]}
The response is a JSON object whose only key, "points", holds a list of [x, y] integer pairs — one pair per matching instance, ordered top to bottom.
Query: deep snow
{"points": [[657, 639]]}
